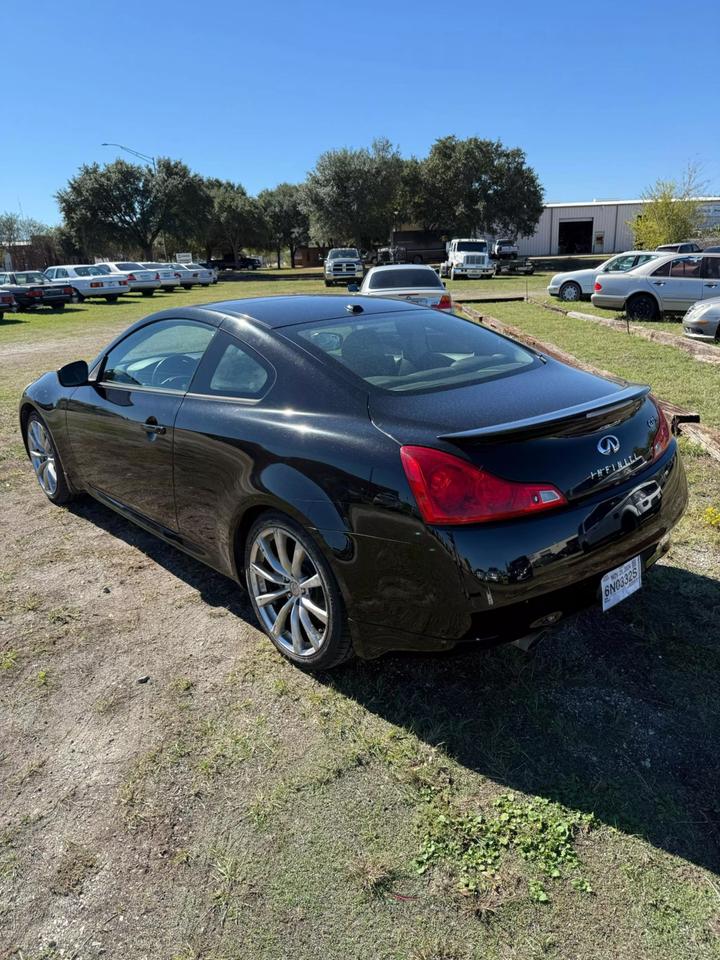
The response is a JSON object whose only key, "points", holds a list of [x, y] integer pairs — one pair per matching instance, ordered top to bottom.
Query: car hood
{"points": [[577, 275]]}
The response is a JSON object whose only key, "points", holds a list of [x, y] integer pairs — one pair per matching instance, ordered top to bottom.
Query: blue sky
{"points": [[603, 97]]}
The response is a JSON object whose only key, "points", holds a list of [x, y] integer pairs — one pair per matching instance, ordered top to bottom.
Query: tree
{"points": [[477, 186], [351, 195], [132, 205], [670, 212], [237, 218], [286, 220], [15, 228]]}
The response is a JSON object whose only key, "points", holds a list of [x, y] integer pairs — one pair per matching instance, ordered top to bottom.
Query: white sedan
{"points": [[190, 274], [166, 275], [138, 277], [87, 281], [413, 282], [579, 284]]}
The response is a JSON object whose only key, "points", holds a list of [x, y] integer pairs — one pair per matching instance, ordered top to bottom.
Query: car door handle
{"points": [[659, 283], [710, 284], [152, 426]]}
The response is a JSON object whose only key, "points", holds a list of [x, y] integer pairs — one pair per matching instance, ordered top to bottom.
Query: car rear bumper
{"points": [[144, 284], [607, 302], [495, 583]]}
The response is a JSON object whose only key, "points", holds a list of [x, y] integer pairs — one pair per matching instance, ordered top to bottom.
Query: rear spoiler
{"points": [[592, 408]]}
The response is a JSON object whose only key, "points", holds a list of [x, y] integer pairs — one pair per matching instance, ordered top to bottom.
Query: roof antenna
{"points": [[354, 308]]}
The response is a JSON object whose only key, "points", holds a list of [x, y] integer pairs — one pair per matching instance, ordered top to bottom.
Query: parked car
{"points": [[687, 246], [504, 249], [711, 250], [467, 258], [243, 262], [343, 264], [208, 265], [206, 273], [166, 275], [138, 276], [189, 276], [87, 281], [411, 282], [667, 284], [576, 285], [31, 290], [7, 303], [702, 321], [385, 476]]}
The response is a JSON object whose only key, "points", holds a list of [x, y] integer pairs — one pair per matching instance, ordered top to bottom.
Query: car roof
{"points": [[401, 266], [293, 309]]}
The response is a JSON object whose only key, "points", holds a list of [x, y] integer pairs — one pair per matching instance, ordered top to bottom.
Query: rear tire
{"points": [[327, 283], [570, 292], [147, 293], [77, 296], [113, 298], [642, 307], [59, 308], [46, 462], [305, 610]]}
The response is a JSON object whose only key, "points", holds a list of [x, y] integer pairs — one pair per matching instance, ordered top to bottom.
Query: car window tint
{"points": [[620, 264], [688, 267], [711, 268], [663, 270], [61, 273], [405, 277], [414, 351], [163, 354]]}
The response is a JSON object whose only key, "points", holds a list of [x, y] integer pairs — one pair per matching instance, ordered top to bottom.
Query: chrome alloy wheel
{"points": [[42, 456], [290, 594]]}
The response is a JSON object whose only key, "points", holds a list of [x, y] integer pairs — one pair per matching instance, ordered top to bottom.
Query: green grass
{"points": [[673, 374]]}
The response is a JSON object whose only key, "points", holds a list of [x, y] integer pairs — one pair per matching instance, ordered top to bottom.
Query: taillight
{"points": [[131, 276], [157, 276], [96, 283], [122, 283], [598, 286], [68, 291], [35, 292], [7, 299], [445, 302], [662, 437], [449, 490]]}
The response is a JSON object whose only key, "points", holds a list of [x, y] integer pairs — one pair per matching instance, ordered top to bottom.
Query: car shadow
{"points": [[612, 714]]}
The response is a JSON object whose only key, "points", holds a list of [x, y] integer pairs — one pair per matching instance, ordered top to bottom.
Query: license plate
{"points": [[422, 300], [621, 582]]}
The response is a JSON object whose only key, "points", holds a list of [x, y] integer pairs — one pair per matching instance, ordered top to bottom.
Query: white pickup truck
{"points": [[467, 258], [343, 264]]}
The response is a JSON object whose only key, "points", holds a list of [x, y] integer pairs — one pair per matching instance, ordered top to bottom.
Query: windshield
{"points": [[473, 246], [349, 253], [627, 261], [101, 268], [32, 276], [403, 277], [415, 351]]}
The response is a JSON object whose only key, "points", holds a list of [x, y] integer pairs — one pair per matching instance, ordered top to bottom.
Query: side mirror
{"points": [[353, 288], [73, 374]]}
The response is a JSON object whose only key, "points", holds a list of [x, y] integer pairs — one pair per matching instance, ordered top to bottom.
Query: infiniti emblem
{"points": [[607, 445]]}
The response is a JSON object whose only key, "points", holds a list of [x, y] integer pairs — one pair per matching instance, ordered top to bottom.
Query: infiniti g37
{"points": [[379, 475]]}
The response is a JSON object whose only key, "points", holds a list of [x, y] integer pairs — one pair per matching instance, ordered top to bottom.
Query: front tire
{"points": [[570, 292], [77, 296], [113, 298], [642, 307], [59, 308], [46, 462], [295, 595]]}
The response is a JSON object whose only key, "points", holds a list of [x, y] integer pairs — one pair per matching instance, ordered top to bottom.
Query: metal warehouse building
{"points": [[597, 226]]}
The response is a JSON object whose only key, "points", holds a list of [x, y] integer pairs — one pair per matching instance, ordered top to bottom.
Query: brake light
{"points": [[131, 276], [157, 276], [96, 283], [598, 286], [68, 291], [35, 292], [5, 299], [445, 302], [662, 437], [449, 490]]}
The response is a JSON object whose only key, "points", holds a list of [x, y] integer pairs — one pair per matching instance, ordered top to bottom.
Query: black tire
{"points": [[328, 283], [187, 286], [570, 292], [147, 293], [77, 296], [112, 298], [642, 307], [58, 308], [63, 493], [336, 646]]}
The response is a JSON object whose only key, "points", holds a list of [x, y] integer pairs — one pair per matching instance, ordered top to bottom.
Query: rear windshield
{"points": [[129, 266], [87, 271], [403, 277], [30, 278], [413, 351]]}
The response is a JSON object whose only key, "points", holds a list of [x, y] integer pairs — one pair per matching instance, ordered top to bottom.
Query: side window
{"points": [[620, 265], [688, 267], [711, 268], [663, 270], [50, 273], [60, 273], [164, 354], [233, 369]]}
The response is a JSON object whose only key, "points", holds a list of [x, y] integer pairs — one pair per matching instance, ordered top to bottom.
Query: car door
{"points": [[710, 277], [678, 283], [121, 425], [219, 439]]}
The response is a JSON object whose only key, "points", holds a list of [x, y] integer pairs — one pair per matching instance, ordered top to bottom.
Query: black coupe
{"points": [[31, 290], [380, 475]]}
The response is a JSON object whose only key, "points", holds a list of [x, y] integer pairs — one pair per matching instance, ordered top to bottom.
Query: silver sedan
{"points": [[702, 321]]}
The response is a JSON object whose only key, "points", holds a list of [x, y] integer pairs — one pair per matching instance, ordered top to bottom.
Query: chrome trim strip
{"points": [[139, 389], [589, 409]]}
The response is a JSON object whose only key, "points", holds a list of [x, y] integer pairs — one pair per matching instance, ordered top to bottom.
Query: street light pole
{"points": [[141, 156]]}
